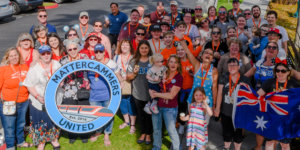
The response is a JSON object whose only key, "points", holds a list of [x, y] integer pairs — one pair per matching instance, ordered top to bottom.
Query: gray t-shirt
{"points": [[259, 22], [223, 26], [84, 32], [153, 74], [140, 88]]}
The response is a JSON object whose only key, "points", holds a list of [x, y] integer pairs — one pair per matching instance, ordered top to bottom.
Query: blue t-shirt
{"points": [[116, 22], [50, 27], [262, 74], [99, 88]]}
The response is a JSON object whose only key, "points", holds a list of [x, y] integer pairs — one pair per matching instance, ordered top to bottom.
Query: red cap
{"points": [[275, 30]]}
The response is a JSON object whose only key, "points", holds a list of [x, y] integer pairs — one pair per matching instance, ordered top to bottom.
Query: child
{"points": [[147, 24], [256, 37], [154, 76], [196, 120]]}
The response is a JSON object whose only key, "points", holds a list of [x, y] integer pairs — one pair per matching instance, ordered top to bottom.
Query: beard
{"points": [[256, 15]]}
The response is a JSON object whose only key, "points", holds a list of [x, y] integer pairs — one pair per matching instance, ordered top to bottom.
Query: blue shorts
{"points": [[127, 105]]}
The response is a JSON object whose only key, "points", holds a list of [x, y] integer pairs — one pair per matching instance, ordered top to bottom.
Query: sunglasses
{"points": [[198, 8], [222, 12], [247, 13], [42, 16], [84, 17], [203, 21], [100, 26], [215, 33], [72, 34], [142, 34], [93, 40], [272, 47], [72, 49], [96, 52], [46, 53], [208, 53], [282, 71]]}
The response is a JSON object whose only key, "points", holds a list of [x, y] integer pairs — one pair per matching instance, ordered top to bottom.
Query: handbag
{"points": [[126, 88], [83, 94], [10, 107]]}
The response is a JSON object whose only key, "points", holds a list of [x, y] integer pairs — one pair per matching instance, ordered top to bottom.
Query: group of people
{"points": [[179, 68]]}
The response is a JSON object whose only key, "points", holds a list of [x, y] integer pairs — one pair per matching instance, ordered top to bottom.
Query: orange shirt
{"points": [[190, 46], [167, 53], [186, 66], [9, 82]]}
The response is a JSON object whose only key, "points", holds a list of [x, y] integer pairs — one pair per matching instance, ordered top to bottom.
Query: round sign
{"points": [[82, 118]]}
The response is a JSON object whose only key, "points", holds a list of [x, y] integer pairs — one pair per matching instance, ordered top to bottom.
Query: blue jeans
{"points": [[127, 105], [169, 116], [14, 125], [108, 127]]}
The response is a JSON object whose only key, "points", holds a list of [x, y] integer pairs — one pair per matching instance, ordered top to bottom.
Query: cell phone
{"points": [[246, 27]]}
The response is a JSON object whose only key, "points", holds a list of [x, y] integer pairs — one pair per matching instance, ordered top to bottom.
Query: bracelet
{"points": [[36, 96]]}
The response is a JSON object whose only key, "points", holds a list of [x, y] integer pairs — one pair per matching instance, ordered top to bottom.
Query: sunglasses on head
{"points": [[222, 12], [247, 13], [42, 16], [84, 17], [98, 26], [215, 33], [142, 34], [93, 39], [272, 47], [72, 49], [96, 52], [46, 53], [282, 71]]}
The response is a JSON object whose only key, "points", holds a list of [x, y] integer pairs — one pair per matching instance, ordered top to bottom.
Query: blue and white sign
{"points": [[82, 118]]}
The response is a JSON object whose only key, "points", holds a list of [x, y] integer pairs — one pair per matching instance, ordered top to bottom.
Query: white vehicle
{"points": [[6, 9]]}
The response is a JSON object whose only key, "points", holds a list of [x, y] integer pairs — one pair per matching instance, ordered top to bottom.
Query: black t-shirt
{"points": [[223, 48], [270, 85], [227, 103]]}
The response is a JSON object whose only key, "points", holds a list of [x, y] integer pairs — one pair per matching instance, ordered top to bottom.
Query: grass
{"points": [[226, 4], [120, 140]]}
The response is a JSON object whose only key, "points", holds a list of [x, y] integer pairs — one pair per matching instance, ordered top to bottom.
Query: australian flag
{"points": [[274, 116]]}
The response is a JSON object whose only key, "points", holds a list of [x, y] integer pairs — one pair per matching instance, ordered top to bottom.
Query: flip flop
{"points": [[125, 124], [26, 145]]}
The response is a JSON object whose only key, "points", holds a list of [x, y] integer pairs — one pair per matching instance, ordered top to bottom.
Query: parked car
{"points": [[23, 5], [5, 9]]}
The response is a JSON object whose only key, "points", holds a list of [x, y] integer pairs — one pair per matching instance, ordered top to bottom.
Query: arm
{"points": [[107, 45], [285, 47], [35, 57], [191, 57], [250, 72], [295, 74], [130, 75], [215, 86], [261, 92], [34, 93], [169, 95], [219, 100], [207, 108], [187, 117]]}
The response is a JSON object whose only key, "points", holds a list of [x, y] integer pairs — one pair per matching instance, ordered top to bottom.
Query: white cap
{"points": [[173, 3]]}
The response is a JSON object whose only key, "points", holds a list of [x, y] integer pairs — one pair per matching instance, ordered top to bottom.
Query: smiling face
{"points": [[114, 8], [173, 9], [212, 11], [256, 12], [222, 13], [42, 17], [134, 17], [187, 18], [271, 18], [84, 20], [241, 22], [98, 27], [181, 28], [231, 33], [41, 34], [140, 34], [155, 34], [216, 34], [72, 35], [168, 40], [93, 41], [53, 42], [25, 44], [125, 47], [234, 49], [72, 50], [144, 50], [271, 50], [180, 51], [99, 55], [207, 56], [13, 57], [46, 57], [158, 61], [173, 64], [233, 68], [282, 72], [199, 96]]}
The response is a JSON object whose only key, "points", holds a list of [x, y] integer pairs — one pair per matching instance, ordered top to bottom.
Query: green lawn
{"points": [[226, 4], [120, 140]]}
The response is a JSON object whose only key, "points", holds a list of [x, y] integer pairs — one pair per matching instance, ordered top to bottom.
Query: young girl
{"points": [[154, 76], [197, 126]]}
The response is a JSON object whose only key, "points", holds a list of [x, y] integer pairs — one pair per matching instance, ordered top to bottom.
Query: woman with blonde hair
{"points": [[40, 36], [25, 47], [15, 95]]}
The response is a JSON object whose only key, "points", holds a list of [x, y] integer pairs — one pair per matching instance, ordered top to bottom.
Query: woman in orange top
{"points": [[25, 46], [57, 46], [13, 73]]}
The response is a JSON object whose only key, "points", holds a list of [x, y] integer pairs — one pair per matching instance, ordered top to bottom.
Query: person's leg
{"points": [[124, 106], [139, 109], [132, 114], [169, 115], [20, 122], [8, 123], [108, 126], [157, 127], [227, 131], [259, 142], [270, 145], [41, 146], [285, 146]]}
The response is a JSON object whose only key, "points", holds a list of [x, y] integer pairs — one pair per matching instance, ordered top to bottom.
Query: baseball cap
{"points": [[173, 3], [83, 13], [164, 23], [155, 27], [276, 31], [93, 34], [99, 47], [44, 48]]}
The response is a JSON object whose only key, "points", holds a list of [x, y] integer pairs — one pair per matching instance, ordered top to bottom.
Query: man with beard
{"points": [[158, 15], [175, 16], [256, 20], [223, 22], [128, 29]]}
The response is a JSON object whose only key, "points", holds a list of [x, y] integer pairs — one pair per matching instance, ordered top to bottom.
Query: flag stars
{"points": [[260, 123]]}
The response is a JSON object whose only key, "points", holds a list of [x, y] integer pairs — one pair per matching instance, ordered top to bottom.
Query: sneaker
{"points": [[153, 108], [147, 109], [181, 129]]}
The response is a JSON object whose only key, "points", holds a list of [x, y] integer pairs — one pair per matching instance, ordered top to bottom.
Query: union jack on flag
{"points": [[275, 116]]}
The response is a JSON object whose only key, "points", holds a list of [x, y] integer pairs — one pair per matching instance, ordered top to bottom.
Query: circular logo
{"points": [[82, 118]]}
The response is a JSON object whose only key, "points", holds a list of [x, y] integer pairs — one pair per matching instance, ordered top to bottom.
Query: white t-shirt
{"points": [[205, 35], [158, 45], [118, 59], [37, 78]]}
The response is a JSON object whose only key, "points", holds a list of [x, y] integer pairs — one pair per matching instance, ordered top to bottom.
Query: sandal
{"points": [[125, 124], [132, 129], [94, 137], [107, 142], [26, 145]]}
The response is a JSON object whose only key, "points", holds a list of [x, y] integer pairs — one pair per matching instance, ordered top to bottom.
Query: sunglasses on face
{"points": [[198, 8], [222, 12], [247, 13], [42, 16], [84, 17], [203, 21], [98, 26], [215, 33], [72, 34], [142, 34], [93, 40], [272, 47], [72, 49], [96, 52], [46, 53], [208, 53], [282, 71]]}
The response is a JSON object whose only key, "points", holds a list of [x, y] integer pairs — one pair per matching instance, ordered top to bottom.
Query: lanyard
{"points": [[236, 13], [158, 15], [174, 18], [213, 18], [255, 23], [129, 28], [188, 31], [237, 33], [83, 34], [42, 42], [213, 46], [156, 51], [27, 57], [238, 57], [71, 59], [123, 66], [12, 67], [46, 72], [96, 74], [203, 79], [237, 80], [168, 81], [284, 87]]}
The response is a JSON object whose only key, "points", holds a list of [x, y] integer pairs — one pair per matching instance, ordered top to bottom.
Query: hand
{"points": [[178, 34], [217, 55], [136, 69], [156, 79], [152, 93], [41, 99], [217, 112], [185, 118]]}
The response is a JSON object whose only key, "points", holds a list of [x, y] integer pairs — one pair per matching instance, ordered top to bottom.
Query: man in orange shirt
{"points": [[168, 38]]}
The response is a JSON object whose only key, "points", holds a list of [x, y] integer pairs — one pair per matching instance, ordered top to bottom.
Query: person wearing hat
{"points": [[236, 10], [159, 13], [198, 15], [42, 16], [175, 16], [272, 19], [114, 22], [223, 22], [98, 27], [164, 27], [84, 28], [128, 29], [204, 30], [140, 34], [91, 41], [156, 43], [25, 46], [36, 82], [99, 91]]}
